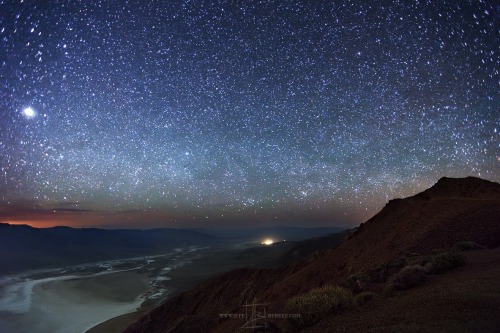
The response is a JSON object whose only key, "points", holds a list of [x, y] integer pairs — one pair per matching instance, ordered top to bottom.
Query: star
{"points": [[29, 112]]}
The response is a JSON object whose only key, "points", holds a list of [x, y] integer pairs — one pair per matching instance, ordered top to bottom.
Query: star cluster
{"points": [[263, 111]]}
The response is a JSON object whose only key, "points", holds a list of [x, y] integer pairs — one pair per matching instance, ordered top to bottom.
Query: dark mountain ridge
{"points": [[277, 233], [24, 248]]}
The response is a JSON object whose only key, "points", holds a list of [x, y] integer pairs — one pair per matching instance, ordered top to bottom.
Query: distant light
{"points": [[29, 112], [267, 241]]}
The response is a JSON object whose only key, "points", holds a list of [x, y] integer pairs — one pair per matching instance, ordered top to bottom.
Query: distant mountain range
{"points": [[277, 233], [407, 234], [25, 248]]}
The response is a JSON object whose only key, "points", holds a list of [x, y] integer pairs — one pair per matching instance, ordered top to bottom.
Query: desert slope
{"points": [[466, 209]]}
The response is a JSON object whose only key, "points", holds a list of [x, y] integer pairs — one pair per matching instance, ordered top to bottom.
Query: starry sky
{"points": [[217, 113]]}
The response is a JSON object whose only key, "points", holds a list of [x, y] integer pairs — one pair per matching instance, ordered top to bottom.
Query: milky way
{"points": [[243, 110]]}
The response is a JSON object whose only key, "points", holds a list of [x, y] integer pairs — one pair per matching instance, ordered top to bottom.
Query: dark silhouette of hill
{"points": [[453, 210], [315, 245], [23, 247], [281, 253]]}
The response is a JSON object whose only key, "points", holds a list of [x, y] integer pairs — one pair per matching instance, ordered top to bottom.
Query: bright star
{"points": [[29, 112]]}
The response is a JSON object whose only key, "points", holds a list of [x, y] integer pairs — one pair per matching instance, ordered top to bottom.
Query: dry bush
{"points": [[467, 246], [444, 262], [408, 277], [357, 283], [363, 297], [317, 304]]}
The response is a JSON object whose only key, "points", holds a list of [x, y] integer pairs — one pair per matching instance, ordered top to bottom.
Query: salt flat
{"points": [[73, 300]]}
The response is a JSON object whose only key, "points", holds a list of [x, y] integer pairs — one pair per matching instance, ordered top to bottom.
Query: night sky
{"points": [[211, 113]]}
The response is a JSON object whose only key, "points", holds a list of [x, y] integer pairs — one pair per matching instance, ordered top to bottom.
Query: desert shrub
{"points": [[466, 246], [438, 250], [409, 254], [419, 260], [445, 262], [398, 263], [429, 268], [383, 272], [378, 274], [408, 277], [357, 283], [389, 290], [363, 297], [317, 304]]}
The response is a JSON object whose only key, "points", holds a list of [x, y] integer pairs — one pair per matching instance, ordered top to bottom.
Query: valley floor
{"points": [[74, 299]]}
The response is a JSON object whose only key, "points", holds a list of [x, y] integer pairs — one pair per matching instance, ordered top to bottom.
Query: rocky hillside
{"points": [[453, 210]]}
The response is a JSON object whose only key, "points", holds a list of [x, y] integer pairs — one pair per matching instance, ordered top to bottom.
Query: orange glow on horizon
{"points": [[39, 224]]}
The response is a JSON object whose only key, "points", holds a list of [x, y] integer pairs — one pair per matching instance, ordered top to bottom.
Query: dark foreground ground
{"points": [[466, 299]]}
